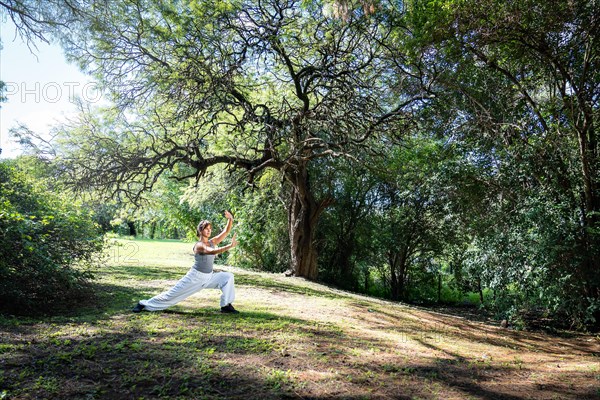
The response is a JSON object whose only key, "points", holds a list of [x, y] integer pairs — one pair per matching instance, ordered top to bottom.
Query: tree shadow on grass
{"points": [[103, 300], [442, 325], [521, 340], [199, 353], [150, 355], [441, 373], [483, 379]]}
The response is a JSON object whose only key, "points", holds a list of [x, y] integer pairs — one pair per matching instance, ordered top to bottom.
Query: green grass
{"points": [[293, 339], [102, 350], [166, 354]]}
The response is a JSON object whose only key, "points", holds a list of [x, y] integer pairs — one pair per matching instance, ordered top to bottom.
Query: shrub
{"points": [[44, 241]]}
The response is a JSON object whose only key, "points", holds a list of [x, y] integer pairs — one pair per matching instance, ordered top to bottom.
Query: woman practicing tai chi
{"points": [[201, 275]]}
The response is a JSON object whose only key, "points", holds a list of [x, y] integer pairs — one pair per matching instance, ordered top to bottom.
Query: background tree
{"points": [[522, 80], [274, 84], [415, 217], [346, 229]]}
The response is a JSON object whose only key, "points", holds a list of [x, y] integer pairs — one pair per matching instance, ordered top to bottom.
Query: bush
{"points": [[43, 241]]}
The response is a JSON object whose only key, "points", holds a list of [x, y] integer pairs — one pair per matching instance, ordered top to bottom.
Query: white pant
{"points": [[191, 283]]}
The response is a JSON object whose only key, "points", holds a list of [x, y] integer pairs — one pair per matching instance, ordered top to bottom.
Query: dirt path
{"points": [[381, 349]]}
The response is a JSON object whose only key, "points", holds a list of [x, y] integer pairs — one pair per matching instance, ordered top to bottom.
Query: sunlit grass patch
{"points": [[163, 253], [124, 273], [259, 281]]}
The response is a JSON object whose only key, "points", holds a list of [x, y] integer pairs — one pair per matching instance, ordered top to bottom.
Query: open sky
{"points": [[40, 86]]}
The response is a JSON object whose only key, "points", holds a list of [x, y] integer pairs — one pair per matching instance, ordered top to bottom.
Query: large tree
{"points": [[519, 82], [253, 85]]}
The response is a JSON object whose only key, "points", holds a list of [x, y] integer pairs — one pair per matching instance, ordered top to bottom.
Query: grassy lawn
{"points": [[293, 339]]}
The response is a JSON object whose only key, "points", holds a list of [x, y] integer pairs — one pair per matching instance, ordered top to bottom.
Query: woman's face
{"points": [[206, 231]]}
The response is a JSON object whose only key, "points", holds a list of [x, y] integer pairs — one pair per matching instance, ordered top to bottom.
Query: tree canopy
{"points": [[249, 85], [427, 148]]}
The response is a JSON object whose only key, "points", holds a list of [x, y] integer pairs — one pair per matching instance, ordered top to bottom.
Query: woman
{"points": [[201, 275]]}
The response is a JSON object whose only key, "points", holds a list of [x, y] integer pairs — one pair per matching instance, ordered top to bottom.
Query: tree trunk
{"points": [[303, 216], [152, 229], [132, 230], [343, 260], [398, 269], [590, 269], [394, 281]]}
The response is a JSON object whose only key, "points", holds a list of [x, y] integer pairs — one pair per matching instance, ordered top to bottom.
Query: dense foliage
{"points": [[519, 88], [429, 151], [45, 243]]}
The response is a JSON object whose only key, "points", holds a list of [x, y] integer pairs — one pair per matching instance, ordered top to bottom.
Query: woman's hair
{"points": [[203, 224]]}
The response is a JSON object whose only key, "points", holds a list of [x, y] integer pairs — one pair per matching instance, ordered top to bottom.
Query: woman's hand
{"points": [[219, 238], [233, 241]]}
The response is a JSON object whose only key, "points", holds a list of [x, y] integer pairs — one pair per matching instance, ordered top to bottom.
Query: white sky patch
{"points": [[40, 87]]}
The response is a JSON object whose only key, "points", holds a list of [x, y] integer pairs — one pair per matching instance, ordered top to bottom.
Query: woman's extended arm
{"points": [[219, 238], [202, 248]]}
